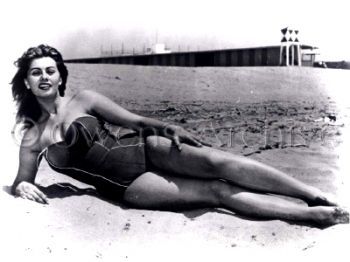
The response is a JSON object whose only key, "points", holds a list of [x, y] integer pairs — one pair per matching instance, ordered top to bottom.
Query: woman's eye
{"points": [[51, 71], [36, 72]]}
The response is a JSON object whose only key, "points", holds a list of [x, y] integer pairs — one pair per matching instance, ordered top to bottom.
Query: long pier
{"points": [[258, 56]]}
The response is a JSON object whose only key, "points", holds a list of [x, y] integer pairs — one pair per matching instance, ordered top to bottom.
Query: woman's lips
{"points": [[44, 86]]}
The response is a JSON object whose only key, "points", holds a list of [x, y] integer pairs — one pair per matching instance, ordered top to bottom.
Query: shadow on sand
{"points": [[60, 190], [63, 190]]}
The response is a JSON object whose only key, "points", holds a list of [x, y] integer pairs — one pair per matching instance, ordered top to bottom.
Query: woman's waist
{"points": [[126, 156]]}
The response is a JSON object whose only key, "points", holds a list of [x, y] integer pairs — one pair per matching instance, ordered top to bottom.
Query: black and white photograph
{"points": [[174, 130]]}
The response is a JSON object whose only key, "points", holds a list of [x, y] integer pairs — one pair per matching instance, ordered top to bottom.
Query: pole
{"points": [[281, 54], [299, 55]]}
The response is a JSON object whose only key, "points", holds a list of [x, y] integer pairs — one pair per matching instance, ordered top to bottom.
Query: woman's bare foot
{"points": [[322, 199], [328, 216]]}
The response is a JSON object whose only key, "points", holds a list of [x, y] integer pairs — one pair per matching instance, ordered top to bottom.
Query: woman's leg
{"points": [[205, 162], [158, 191]]}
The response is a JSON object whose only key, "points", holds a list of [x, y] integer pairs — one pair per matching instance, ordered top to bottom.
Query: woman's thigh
{"points": [[202, 162], [154, 190]]}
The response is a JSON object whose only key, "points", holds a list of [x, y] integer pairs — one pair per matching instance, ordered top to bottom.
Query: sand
{"points": [[232, 108]]}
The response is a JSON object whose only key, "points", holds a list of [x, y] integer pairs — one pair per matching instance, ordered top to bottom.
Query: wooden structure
{"points": [[290, 50], [254, 56]]}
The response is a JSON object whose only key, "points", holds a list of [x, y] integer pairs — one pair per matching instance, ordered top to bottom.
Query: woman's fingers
{"points": [[178, 135], [196, 141], [203, 142], [177, 143], [31, 192], [22, 195], [27, 196], [40, 196], [34, 197], [39, 199]]}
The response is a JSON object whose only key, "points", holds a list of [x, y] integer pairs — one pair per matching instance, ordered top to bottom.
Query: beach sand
{"points": [[232, 108]]}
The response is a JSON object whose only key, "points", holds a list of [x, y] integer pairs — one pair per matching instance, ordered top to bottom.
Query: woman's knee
{"points": [[220, 190], [136, 193]]}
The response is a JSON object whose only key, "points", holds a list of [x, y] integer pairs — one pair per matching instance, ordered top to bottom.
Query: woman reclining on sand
{"points": [[159, 166]]}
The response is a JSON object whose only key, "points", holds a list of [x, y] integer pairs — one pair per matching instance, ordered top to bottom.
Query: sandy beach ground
{"points": [[278, 116]]}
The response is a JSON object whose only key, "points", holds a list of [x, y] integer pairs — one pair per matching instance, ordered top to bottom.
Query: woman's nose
{"points": [[44, 76]]}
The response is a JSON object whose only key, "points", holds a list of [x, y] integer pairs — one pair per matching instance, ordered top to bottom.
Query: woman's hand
{"points": [[179, 135], [29, 191]]}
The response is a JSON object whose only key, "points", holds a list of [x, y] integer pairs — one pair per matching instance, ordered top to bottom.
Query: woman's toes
{"points": [[329, 216], [341, 216]]}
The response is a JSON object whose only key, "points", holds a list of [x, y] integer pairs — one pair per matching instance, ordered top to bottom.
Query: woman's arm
{"points": [[103, 107], [108, 110], [23, 185]]}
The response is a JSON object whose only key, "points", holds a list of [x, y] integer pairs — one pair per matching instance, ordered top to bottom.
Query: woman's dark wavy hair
{"points": [[28, 107]]}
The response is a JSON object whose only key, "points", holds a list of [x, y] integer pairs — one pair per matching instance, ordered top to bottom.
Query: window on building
{"points": [[307, 57]]}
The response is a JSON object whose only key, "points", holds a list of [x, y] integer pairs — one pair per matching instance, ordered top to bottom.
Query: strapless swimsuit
{"points": [[92, 154]]}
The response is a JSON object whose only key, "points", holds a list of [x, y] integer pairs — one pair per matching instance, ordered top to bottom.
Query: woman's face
{"points": [[43, 77]]}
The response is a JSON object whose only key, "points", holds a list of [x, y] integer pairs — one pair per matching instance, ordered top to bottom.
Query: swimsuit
{"points": [[92, 154]]}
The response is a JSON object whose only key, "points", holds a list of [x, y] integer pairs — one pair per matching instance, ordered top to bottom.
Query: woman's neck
{"points": [[50, 105]]}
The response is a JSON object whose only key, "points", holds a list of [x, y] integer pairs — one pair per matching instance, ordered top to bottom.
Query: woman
{"points": [[159, 166]]}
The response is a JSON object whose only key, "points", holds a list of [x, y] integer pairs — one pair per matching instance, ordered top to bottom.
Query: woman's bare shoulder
{"points": [[86, 94], [89, 98], [82, 99], [31, 137]]}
